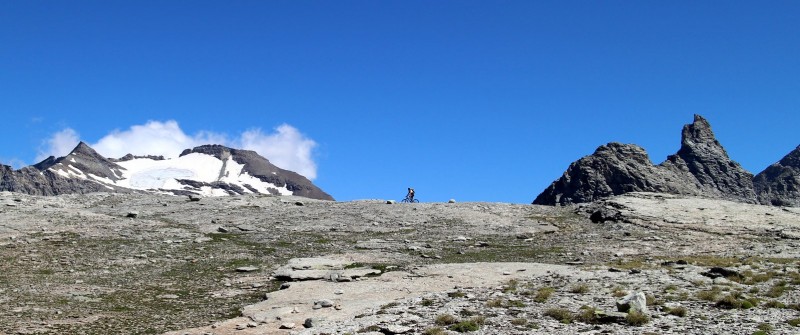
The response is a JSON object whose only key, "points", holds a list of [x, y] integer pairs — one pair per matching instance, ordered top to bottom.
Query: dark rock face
{"points": [[83, 158], [703, 161], [259, 167], [701, 167], [612, 169], [43, 178], [31, 180], [779, 184]]}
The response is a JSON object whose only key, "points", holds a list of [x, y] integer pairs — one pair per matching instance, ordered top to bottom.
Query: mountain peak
{"points": [[699, 133], [792, 159], [701, 166]]}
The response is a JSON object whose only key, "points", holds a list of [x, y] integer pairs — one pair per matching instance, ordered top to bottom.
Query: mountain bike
{"points": [[407, 199]]}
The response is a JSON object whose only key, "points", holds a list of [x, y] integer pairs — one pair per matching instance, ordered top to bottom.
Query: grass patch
{"points": [[511, 286], [580, 289], [777, 290], [456, 294], [542, 294], [709, 295], [774, 304], [678, 311], [560, 314], [587, 314], [636, 318], [445, 319], [519, 321], [794, 322], [465, 326], [433, 331]]}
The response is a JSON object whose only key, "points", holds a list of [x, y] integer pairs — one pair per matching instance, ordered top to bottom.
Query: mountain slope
{"points": [[701, 167], [209, 170], [779, 184]]}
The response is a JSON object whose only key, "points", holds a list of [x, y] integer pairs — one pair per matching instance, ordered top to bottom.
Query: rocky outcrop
{"points": [[83, 160], [703, 164], [260, 167], [701, 167], [612, 169], [50, 176], [30, 180], [779, 184]]}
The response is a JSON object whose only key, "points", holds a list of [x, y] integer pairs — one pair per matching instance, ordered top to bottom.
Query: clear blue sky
{"points": [[472, 100]]}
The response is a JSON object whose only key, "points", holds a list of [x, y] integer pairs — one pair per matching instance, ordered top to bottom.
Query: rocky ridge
{"points": [[701, 167], [84, 171], [779, 184]]}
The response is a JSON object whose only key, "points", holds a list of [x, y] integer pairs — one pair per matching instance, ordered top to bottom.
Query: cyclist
{"points": [[410, 194]]}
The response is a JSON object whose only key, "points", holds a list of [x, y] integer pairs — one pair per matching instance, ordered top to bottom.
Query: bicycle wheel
{"points": [[415, 200]]}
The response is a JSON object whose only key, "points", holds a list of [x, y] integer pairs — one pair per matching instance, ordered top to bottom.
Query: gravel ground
{"points": [[145, 264]]}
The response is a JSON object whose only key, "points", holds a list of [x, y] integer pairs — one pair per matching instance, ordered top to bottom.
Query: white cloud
{"points": [[153, 138], [60, 144], [287, 148]]}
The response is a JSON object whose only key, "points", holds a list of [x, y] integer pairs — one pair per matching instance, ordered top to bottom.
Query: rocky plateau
{"points": [[639, 263]]}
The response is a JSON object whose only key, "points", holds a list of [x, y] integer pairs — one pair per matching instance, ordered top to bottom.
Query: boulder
{"points": [[635, 301]]}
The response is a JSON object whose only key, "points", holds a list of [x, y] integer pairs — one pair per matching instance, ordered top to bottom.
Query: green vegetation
{"points": [[580, 289], [542, 294], [679, 311], [560, 314], [636, 318], [445, 319], [794, 322], [465, 326], [433, 331]]}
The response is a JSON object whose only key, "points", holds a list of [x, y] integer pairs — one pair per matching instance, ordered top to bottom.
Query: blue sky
{"points": [[471, 100]]}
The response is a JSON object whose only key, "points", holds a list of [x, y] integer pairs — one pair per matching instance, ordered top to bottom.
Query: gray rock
{"points": [[700, 167], [779, 184], [451, 201], [132, 214], [247, 269], [636, 301], [324, 303], [309, 323], [287, 325], [395, 329]]}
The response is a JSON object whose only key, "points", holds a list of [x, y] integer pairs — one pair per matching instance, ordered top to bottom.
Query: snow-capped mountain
{"points": [[208, 170]]}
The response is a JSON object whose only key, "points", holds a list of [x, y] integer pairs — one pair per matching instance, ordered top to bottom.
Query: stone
{"points": [[194, 197], [451, 201], [390, 202], [132, 214], [246, 227], [223, 230], [247, 269], [636, 301], [324, 303], [309, 323], [287, 325], [395, 329]]}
